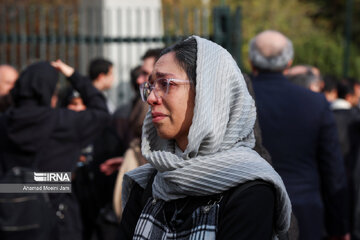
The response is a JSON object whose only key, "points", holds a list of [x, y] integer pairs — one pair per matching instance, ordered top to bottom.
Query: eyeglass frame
{"points": [[152, 87]]}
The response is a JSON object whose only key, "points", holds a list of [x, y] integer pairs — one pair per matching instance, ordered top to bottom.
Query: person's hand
{"points": [[63, 68], [111, 165]]}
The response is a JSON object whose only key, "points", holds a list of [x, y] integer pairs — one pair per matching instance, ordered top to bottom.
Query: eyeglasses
{"points": [[160, 86]]}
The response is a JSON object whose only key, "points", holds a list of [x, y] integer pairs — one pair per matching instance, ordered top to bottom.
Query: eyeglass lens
{"points": [[160, 87]]}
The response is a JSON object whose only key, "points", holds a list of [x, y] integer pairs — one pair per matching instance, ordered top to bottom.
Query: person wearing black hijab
{"points": [[34, 132]]}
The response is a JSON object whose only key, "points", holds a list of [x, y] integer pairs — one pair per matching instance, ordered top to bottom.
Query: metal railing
{"points": [[76, 35]]}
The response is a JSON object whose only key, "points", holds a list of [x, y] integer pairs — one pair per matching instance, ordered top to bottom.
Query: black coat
{"points": [[348, 123], [32, 131], [299, 131], [243, 214]]}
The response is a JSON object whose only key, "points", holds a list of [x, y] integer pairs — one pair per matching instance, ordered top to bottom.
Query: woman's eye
{"points": [[162, 82], [172, 83]]}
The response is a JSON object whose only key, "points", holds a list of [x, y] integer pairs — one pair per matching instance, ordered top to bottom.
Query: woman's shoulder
{"points": [[257, 187], [249, 194], [248, 205]]}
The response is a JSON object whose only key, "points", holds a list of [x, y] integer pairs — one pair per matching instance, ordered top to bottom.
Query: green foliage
{"points": [[314, 26], [314, 43]]}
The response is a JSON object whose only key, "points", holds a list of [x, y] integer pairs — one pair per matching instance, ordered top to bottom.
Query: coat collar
{"points": [[269, 76]]}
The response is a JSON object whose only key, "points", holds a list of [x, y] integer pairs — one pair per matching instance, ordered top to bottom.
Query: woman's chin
{"points": [[164, 134]]}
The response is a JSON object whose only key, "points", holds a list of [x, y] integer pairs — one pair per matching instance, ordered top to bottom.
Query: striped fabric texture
{"points": [[220, 151], [153, 225]]}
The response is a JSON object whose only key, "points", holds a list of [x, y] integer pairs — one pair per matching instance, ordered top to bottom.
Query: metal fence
{"points": [[77, 35]]}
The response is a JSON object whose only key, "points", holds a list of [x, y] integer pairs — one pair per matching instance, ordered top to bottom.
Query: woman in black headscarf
{"points": [[37, 136]]}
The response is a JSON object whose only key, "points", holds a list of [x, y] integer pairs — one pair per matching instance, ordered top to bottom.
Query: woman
{"points": [[36, 136], [198, 138]]}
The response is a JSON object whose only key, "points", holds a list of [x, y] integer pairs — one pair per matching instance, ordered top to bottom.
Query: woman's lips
{"points": [[156, 116]]}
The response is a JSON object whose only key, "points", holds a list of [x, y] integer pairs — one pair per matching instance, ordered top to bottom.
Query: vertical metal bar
{"points": [[89, 15], [101, 20], [196, 21], [185, 22], [159, 23], [205, 23], [149, 24], [167, 26], [42, 28], [139, 29], [178, 29], [348, 29], [92, 32], [97, 32], [109, 32], [52, 33], [61, 33], [129, 33], [66, 34], [81, 34], [3, 35], [13, 35], [70, 36], [237, 36], [62, 40], [32, 43], [130, 47], [120, 53], [23, 55]]}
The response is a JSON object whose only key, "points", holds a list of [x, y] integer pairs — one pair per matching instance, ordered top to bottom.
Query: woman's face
{"points": [[76, 104], [172, 114]]}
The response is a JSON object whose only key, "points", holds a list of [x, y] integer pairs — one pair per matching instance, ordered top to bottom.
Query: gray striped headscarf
{"points": [[220, 152]]}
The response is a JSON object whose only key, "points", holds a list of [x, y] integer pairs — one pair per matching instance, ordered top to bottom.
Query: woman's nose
{"points": [[153, 99]]}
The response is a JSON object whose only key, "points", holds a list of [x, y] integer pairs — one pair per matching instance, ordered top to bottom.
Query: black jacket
{"points": [[299, 131], [32, 132], [55, 136], [243, 213]]}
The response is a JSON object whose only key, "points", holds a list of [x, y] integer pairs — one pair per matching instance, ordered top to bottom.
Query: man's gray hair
{"points": [[276, 62], [304, 79]]}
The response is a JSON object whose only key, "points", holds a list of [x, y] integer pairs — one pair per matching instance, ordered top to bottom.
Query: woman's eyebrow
{"points": [[160, 74]]}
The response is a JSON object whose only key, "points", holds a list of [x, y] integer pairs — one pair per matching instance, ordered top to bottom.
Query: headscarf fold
{"points": [[219, 154]]}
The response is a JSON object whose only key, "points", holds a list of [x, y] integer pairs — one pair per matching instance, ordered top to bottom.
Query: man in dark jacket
{"points": [[347, 117], [31, 131], [299, 131]]}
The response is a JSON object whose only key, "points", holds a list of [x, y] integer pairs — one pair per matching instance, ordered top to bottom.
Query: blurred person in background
{"points": [[147, 66], [101, 72], [305, 76], [8, 77], [330, 88], [347, 97], [73, 101], [347, 117], [127, 119], [299, 131], [33, 132], [107, 156], [133, 157], [92, 187]]}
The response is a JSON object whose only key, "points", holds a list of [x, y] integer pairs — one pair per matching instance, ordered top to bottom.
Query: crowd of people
{"points": [[202, 150]]}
